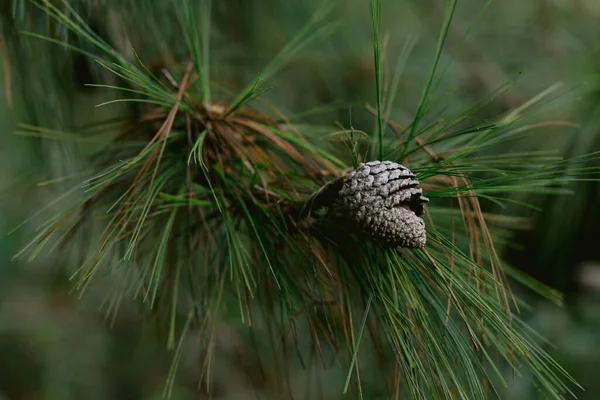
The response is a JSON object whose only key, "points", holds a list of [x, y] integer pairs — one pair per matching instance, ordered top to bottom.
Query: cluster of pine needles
{"points": [[198, 208]]}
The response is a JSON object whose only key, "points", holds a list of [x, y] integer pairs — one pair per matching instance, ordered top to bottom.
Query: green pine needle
{"points": [[197, 208]]}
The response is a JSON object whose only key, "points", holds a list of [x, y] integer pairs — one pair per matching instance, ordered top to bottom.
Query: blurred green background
{"points": [[54, 345]]}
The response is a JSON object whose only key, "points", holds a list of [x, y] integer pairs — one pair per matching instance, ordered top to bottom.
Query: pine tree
{"points": [[328, 249]]}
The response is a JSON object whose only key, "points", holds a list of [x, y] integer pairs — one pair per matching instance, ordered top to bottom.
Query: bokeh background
{"points": [[56, 345]]}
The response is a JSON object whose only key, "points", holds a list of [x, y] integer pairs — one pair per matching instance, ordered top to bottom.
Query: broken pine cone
{"points": [[382, 200]]}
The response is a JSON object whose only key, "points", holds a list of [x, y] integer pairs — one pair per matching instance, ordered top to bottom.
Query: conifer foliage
{"points": [[210, 205]]}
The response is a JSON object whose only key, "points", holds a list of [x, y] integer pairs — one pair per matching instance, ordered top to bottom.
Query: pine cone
{"points": [[381, 198]]}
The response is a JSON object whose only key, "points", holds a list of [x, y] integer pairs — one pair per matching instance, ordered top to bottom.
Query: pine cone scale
{"points": [[383, 200]]}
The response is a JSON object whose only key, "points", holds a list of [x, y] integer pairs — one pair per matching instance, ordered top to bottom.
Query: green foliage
{"points": [[196, 206]]}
